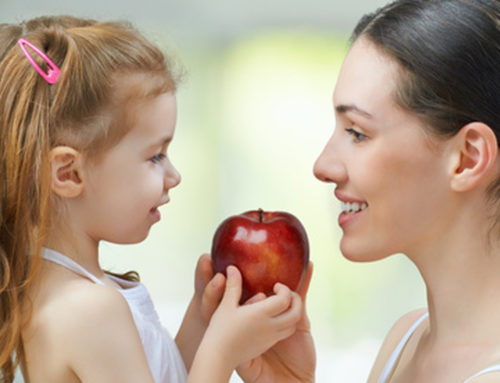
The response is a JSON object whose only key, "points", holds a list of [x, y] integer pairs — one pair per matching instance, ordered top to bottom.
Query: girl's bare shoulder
{"points": [[77, 324]]}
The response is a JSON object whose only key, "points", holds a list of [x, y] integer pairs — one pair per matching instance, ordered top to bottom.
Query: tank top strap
{"points": [[68, 263], [391, 363], [494, 368]]}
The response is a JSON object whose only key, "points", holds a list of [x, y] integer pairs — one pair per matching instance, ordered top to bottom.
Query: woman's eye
{"points": [[357, 136], [158, 158]]}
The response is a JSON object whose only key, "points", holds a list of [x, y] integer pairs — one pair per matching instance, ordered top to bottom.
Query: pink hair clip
{"points": [[53, 71]]}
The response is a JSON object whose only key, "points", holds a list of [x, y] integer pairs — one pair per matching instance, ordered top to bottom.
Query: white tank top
{"points": [[161, 351], [391, 363]]}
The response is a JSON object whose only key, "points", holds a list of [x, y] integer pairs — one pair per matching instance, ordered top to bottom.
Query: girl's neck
{"points": [[79, 247]]}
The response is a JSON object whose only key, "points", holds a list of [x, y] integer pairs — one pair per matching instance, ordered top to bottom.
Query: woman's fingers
{"points": [[203, 273], [304, 287], [212, 296]]}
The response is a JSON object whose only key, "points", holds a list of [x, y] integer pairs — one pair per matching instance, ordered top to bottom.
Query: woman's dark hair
{"points": [[449, 53]]}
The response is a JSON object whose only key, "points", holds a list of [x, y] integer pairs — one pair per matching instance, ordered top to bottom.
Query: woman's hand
{"points": [[292, 360]]}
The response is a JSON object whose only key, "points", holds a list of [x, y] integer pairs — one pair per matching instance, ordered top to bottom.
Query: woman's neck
{"points": [[462, 276]]}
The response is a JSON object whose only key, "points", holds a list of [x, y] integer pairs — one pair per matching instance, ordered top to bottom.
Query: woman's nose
{"points": [[329, 167]]}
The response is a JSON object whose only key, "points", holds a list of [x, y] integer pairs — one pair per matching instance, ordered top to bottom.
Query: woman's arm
{"points": [[208, 291]]}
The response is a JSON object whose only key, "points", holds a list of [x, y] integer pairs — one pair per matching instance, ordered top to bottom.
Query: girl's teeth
{"points": [[354, 207]]}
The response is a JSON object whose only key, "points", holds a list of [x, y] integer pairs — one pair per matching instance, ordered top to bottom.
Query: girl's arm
{"points": [[237, 334]]}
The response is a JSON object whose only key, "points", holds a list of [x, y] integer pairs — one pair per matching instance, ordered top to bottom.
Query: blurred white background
{"points": [[255, 110]]}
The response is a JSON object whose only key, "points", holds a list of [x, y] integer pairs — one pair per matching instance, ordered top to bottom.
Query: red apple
{"points": [[267, 247]]}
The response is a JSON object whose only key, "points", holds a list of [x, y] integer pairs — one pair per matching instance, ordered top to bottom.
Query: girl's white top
{"points": [[161, 351], [392, 362]]}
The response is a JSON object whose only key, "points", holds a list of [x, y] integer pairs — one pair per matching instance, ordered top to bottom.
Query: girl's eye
{"points": [[357, 136], [158, 158]]}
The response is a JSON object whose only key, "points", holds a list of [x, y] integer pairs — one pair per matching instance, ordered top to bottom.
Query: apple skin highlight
{"points": [[267, 247]]}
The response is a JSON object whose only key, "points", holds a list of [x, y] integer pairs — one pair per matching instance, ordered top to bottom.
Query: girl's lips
{"points": [[155, 213]]}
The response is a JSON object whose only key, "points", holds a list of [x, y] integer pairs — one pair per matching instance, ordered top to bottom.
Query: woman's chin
{"points": [[355, 251]]}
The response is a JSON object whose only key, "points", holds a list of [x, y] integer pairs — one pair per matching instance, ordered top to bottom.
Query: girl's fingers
{"points": [[232, 293], [256, 298], [276, 304], [291, 317]]}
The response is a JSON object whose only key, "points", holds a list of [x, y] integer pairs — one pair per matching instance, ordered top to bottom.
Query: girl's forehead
{"points": [[154, 118]]}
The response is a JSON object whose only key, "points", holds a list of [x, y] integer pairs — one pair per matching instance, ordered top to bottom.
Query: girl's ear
{"points": [[477, 151], [66, 171]]}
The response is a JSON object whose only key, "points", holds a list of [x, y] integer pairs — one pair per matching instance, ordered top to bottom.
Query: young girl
{"points": [[87, 112], [414, 157]]}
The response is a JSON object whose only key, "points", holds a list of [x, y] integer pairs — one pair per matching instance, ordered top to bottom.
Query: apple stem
{"points": [[261, 214]]}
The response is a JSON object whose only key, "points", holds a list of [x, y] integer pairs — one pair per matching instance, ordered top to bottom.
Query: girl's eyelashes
{"points": [[357, 136], [158, 158]]}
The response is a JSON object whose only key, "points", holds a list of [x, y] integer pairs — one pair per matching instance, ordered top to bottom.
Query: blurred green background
{"points": [[255, 109]]}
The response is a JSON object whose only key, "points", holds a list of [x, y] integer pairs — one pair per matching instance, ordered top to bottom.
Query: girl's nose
{"points": [[329, 167], [172, 176]]}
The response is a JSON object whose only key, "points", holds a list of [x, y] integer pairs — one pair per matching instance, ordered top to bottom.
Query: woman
{"points": [[415, 163]]}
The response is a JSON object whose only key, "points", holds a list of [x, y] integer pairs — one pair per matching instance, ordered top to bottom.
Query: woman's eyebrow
{"points": [[344, 108]]}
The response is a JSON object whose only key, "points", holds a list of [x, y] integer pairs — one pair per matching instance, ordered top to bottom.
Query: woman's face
{"points": [[390, 175]]}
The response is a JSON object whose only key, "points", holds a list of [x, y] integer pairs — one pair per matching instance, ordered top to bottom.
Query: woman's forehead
{"points": [[367, 79]]}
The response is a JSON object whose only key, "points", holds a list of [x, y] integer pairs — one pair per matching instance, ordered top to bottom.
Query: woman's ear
{"points": [[477, 151], [66, 171]]}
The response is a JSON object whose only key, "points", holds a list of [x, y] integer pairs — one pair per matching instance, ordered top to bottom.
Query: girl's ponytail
{"points": [[24, 191]]}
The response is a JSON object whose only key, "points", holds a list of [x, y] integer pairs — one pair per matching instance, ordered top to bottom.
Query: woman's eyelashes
{"points": [[357, 136], [158, 158]]}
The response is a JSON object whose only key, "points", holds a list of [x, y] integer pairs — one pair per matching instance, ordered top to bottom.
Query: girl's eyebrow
{"points": [[344, 108], [164, 140], [161, 142]]}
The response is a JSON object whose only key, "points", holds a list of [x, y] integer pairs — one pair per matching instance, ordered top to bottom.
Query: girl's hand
{"points": [[236, 334], [292, 360]]}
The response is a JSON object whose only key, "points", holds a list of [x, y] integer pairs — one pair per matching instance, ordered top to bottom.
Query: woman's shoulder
{"points": [[392, 339]]}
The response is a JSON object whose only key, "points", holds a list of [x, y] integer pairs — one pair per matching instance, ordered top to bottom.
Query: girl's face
{"points": [[390, 178], [125, 189]]}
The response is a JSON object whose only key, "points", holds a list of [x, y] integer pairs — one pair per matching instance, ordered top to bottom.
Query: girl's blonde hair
{"points": [[84, 109]]}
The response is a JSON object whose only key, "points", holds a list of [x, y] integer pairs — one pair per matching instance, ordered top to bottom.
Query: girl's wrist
{"points": [[212, 363]]}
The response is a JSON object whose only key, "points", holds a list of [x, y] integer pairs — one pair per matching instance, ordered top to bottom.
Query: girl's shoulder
{"points": [[77, 302], [75, 327], [391, 341]]}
